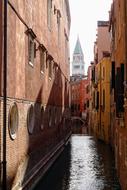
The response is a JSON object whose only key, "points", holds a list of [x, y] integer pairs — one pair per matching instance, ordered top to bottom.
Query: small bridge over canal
{"points": [[79, 125]]}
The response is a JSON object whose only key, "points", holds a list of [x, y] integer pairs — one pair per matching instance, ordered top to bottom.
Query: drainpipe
{"points": [[4, 173]]}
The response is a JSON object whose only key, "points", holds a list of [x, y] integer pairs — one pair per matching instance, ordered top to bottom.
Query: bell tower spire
{"points": [[78, 64]]}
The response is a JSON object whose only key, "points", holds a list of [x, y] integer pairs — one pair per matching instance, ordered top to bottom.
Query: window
{"points": [[49, 11], [32, 49], [42, 60], [50, 68], [119, 90], [97, 100], [30, 119], [13, 121]]}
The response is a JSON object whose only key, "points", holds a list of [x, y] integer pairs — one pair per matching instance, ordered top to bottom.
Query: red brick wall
{"points": [[21, 73], [26, 85], [79, 91]]}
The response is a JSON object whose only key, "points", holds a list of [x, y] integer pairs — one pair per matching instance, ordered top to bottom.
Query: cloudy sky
{"points": [[84, 17]]}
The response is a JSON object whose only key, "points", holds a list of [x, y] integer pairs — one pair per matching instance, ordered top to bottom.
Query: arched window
{"points": [[30, 119], [13, 120]]}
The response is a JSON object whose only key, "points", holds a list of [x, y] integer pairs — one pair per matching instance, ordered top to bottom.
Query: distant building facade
{"points": [[78, 81], [100, 86], [37, 87], [80, 97]]}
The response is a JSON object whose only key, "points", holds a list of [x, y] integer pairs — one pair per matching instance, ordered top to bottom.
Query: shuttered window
{"points": [[119, 90]]}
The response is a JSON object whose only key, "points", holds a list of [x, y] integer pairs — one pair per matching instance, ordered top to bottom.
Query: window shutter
{"points": [[119, 90]]}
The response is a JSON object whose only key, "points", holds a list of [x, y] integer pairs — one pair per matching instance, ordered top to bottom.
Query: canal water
{"points": [[86, 164]]}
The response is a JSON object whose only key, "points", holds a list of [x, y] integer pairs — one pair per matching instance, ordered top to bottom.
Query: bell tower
{"points": [[78, 64]]}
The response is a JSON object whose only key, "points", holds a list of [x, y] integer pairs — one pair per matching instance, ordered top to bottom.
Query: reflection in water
{"points": [[84, 165]]}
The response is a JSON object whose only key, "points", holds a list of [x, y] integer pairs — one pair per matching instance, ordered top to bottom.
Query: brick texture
{"points": [[26, 86]]}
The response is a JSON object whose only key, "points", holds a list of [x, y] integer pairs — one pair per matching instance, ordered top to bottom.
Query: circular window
{"points": [[42, 118], [30, 119], [13, 121]]}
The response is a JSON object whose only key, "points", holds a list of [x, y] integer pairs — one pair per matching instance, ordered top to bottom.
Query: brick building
{"points": [[37, 86], [80, 96]]}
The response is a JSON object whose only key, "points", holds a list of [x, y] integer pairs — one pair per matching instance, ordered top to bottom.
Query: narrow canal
{"points": [[86, 164]]}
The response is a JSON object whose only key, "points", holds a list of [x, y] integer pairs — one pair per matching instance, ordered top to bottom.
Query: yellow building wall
{"points": [[103, 114]]}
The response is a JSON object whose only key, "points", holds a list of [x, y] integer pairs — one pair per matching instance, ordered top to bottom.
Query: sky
{"points": [[84, 17]]}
